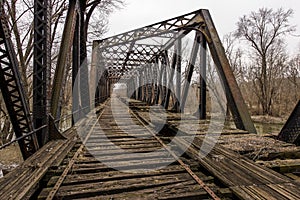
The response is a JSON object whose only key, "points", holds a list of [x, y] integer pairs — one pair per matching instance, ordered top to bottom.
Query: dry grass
{"points": [[10, 157]]}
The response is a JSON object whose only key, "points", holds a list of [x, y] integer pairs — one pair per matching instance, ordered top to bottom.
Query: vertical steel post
{"points": [[41, 65], [165, 65], [75, 68], [83, 70], [190, 70], [94, 71], [178, 76], [202, 76], [155, 82], [170, 82], [144, 85], [159, 86], [149, 87], [136, 88], [133, 95], [140, 95]]}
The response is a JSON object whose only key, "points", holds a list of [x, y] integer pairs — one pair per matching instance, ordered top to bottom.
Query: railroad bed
{"points": [[123, 158]]}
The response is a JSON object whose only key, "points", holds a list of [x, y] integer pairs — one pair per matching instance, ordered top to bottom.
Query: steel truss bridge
{"points": [[148, 61]]}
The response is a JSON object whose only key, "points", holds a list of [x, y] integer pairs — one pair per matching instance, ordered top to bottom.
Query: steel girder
{"points": [[72, 41], [132, 45], [65, 48], [117, 54], [41, 67], [13, 91], [202, 99], [291, 130]]}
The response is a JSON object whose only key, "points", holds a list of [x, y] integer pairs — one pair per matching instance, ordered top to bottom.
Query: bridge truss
{"points": [[138, 58]]}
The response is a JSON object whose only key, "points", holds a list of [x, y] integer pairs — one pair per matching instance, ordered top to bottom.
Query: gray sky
{"points": [[225, 14]]}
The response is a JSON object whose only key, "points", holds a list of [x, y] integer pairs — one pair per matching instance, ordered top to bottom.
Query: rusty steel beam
{"points": [[157, 29], [171, 31], [65, 48], [166, 64], [41, 67], [75, 67], [83, 69], [190, 69], [94, 72], [178, 76], [170, 81], [159, 87], [13, 91], [202, 92], [140, 95], [235, 99], [291, 130]]}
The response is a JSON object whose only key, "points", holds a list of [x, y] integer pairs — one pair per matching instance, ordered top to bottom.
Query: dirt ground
{"points": [[268, 119], [10, 157]]}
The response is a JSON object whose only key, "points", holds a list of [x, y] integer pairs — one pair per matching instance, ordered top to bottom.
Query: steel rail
{"points": [[185, 166], [59, 182], [57, 185]]}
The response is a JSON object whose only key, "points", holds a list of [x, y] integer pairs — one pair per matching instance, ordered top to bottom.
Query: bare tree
{"points": [[21, 15], [264, 31], [235, 55], [294, 76]]}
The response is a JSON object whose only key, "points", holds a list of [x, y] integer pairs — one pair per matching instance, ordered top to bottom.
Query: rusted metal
{"points": [[65, 47], [115, 51], [165, 65], [75, 66], [41, 67], [190, 69], [83, 70], [178, 76], [170, 81], [159, 86], [13, 91], [202, 92], [235, 99], [291, 130], [186, 167], [59, 182]]}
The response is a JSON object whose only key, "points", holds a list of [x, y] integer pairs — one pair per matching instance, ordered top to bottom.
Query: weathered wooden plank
{"points": [[124, 157], [282, 166], [114, 175], [243, 176], [293, 176], [24, 179], [111, 187], [184, 190]]}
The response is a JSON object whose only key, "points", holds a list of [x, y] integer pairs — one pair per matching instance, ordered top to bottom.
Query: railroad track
{"points": [[121, 157]]}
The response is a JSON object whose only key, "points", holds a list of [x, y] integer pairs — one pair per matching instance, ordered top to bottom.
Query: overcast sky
{"points": [[225, 14]]}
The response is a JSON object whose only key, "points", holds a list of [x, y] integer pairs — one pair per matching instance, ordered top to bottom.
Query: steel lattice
{"points": [[133, 49], [129, 54], [41, 66], [13, 91], [291, 130]]}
